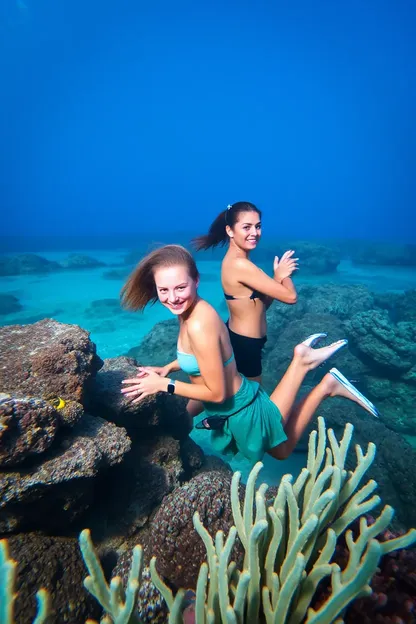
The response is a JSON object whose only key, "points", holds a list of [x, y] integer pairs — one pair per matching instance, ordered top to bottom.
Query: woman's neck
{"points": [[236, 251], [188, 313]]}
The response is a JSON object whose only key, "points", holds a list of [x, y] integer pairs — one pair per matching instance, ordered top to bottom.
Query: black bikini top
{"points": [[254, 295]]}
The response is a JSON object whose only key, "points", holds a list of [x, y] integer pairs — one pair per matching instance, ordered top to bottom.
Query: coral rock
{"points": [[47, 359], [27, 427], [54, 492], [173, 540], [54, 563]]}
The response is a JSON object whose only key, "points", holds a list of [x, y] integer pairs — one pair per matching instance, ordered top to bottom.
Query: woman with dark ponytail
{"points": [[247, 289]]}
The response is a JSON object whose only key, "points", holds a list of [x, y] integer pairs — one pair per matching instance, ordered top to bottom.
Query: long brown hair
{"points": [[217, 234], [140, 288]]}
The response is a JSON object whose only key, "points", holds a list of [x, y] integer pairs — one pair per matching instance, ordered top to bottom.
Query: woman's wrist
{"points": [[164, 381]]}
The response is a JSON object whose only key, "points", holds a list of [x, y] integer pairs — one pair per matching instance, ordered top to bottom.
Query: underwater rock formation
{"points": [[383, 254], [316, 259], [79, 261], [24, 264], [115, 274], [9, 304], [401, 306], [102, 308], [386, 345], [158, 347], [47, 359], [156, 414], [27, 427], [153, 468], [56, 489], [172, 539], [54, 563]]}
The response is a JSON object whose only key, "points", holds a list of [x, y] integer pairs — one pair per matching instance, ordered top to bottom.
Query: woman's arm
{"points": [[250, 275], [205, 342], [172, 367]]}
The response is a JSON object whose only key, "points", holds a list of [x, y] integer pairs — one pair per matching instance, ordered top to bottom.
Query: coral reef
{"points": [[383, 254], [316, 259], [79, 261], [23, 264], [9, 304], [102, 308], [47, 359], [160, 413], [27, 427], [58, 488], [172, 537], [309, 553], [54, 563]]}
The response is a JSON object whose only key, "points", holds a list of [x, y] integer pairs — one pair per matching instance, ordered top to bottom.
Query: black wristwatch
{"points": [[171, 386]]}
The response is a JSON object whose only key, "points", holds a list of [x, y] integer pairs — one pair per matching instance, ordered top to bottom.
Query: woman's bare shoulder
{"points": [[205, 317]]}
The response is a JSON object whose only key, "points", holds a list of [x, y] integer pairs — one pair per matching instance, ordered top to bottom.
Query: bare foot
{"points": [[312, 358], [334, 388]]}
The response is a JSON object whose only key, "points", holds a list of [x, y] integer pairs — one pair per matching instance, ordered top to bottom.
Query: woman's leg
{"points": [[304, 360], [258, 379], [194, 408], [303, 412], [300, 416]]}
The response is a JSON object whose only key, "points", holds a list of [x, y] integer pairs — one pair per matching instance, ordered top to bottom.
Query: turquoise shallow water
{"points": [[67, 297]]}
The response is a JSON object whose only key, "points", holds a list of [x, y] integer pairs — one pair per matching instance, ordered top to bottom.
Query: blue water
{"points": [[68, 296]]}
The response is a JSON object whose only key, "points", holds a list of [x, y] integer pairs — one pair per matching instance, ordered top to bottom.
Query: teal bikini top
{"points": [[189, 364]]}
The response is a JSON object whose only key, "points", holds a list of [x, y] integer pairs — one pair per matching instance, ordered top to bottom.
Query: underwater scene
{"points": [[207, 409]]}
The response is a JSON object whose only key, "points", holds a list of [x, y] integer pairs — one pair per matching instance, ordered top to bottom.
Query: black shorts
{"points": [[247, 352]]}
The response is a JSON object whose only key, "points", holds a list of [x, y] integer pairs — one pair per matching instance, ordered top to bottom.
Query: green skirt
{"points": [[253, 430]]}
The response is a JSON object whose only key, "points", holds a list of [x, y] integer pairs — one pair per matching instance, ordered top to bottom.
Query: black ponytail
{"points": [[217, 234]]}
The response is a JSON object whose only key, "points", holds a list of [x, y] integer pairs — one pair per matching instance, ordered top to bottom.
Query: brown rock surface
{"points": [[47, 359], [53, 493]]}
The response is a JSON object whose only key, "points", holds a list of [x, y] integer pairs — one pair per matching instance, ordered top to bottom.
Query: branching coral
{"points": [[289, 542], [7, 595]]}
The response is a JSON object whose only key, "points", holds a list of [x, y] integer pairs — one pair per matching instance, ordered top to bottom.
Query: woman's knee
{"points": [[282, 451]]}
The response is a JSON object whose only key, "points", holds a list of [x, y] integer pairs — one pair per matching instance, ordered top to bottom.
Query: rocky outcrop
{"points": [[383, 254], [314, 258], [79, 261], [24, 264], [116, 274], [9, 304], [400, 306], [102, 308], [387, 346], [158, 347], [47, 360], [153, 415], [27, 427], [57, 488], [178, 548], [53, 563]]}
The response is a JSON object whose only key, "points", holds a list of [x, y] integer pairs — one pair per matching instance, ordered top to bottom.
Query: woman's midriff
{"points": [[248, 318], [232, 380]]}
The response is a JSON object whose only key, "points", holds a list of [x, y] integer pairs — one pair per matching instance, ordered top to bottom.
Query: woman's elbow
{"points": [[292, 299], [218, 397]]}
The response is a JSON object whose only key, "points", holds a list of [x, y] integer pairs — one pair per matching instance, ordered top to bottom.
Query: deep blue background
{"points": [[141, 118]]}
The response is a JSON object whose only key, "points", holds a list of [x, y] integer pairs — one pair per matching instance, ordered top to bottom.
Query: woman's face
{"points": [[246, 233], [175, 288]]}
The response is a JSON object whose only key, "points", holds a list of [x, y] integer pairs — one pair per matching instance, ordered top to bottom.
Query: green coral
{"points": [[289, 542], [7, 595]]}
